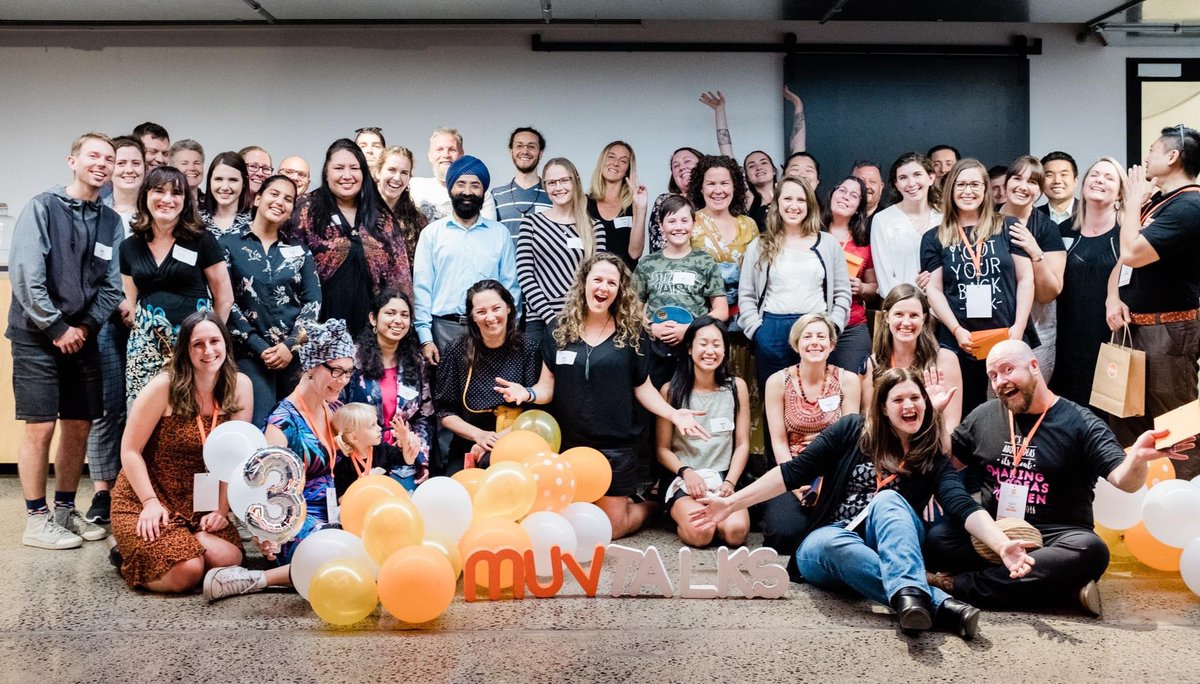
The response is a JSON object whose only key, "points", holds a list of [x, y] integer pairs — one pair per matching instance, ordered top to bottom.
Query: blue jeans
{"points": [[772, 352], [888, 560]]}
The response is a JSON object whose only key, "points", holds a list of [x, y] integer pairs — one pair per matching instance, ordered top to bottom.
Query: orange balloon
{"points": [[516, 445], [1159, 470], [593, 473], [469, 478], [555, 480], [507, 490], [361, 494], [390, 525], [494, 534], [1115, 540], [447, 548], [1151, 551], [416, 584]]}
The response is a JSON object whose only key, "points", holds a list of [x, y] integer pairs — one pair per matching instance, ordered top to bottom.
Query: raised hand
{"points": [[714, 99]]}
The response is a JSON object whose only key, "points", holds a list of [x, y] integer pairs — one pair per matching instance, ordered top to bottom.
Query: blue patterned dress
{"points": [[318, 470]]}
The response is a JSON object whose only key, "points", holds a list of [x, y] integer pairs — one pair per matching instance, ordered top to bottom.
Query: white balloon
{"points": [[229, 444], [1196, 481], [241, 494], [445, 506], [1117, 509], [1172, 513], [592, 528], [545, 530], [323, 546], [1189, 566]]}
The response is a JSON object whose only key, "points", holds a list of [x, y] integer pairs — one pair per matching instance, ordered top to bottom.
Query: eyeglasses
{"points": [[527, 146], [259, 168], [294, 173], [558, 183], [972, 185], [854, 194], [337, 373]]}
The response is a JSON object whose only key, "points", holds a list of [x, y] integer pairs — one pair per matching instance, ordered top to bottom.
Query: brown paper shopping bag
{"points": [[1119, 383]]}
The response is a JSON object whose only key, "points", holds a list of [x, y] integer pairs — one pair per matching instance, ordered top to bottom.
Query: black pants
{"points": [[784, 522], [1071, 557]]}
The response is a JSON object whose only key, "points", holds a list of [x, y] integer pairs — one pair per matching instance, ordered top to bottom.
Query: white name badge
{"points": [[623, 222], [1067, 242], [574, 243], [103, 251], [291, 251], [184, 254], [1124, 276], [685, 278], [979, 301], [565, 358], [405, 392], [829, 403], [717, 425], [206, 492], [1012, 501], [331, 504], [862, 515]]}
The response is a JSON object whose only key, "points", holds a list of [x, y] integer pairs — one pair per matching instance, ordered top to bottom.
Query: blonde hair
{"points": [[78, 144], [1122, 177], [597, 190], [583, 222], [990, 223], [771, 240], [627, 319], [807, 320], [350, 418]]}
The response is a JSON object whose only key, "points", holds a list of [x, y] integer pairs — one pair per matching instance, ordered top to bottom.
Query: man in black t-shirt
{"points": [[1156, 289], [1041, 468]]}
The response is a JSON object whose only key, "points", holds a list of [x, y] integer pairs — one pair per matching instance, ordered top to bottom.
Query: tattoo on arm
{"points": [[723, 137]]}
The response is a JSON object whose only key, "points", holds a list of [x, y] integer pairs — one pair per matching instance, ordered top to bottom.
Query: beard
{"points": [[526, 168], [466, 206], [1021, 402]]}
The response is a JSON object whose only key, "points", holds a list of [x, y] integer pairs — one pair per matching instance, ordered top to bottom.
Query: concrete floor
{"points": [[65, 616]]}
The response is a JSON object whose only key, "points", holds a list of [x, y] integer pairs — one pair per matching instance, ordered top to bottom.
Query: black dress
{"points": [[616, 238], [1090, 262], [347, 293]]}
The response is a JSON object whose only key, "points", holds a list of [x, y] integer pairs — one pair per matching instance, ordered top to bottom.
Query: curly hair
{"points": [[695, 190], [627, 318], [408, 351]]}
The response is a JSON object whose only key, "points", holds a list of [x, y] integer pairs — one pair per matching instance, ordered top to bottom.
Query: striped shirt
{"points": [[513, 203], [548, 254]]}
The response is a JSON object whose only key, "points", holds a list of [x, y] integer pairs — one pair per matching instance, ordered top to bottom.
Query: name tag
{"points": [[623, 222], [1068, 241], [574, 243], [103, 251], [291, 251], [184, 254], [1124, 276], [684, 278], [979, 301], [565, 358], [405, 392], [830, 403], [718, 425], [206, 492], [1012, 501], [331, 504], [862, 515]]}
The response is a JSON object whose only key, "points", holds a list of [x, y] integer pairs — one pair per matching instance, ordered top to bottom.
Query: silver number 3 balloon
{"points": [[282, 516]]}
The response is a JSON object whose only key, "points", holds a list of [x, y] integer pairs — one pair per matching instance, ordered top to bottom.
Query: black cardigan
{"points": [[834, 452]]}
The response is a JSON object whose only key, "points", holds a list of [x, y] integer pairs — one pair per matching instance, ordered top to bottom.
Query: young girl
{"points": [[679, 277], [702, 382], [359, 437]]}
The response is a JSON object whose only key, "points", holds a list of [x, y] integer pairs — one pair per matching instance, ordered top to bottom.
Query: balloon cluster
{"points": [[265, 483], [1159, 524], [408, 553]]}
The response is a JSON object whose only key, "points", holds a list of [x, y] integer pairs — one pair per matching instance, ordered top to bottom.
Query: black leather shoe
{"points": [[912, 608], [959, 617]]}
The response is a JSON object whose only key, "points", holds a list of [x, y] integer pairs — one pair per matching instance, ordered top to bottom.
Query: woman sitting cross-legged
{"points": [[865, 533]]}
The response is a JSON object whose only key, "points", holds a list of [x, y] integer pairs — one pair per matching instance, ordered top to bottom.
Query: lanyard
{"points": [[1149, 209], [974, 251], [212, 424], [326, 440], [1019, 451], [362, 465], [881, 482]]}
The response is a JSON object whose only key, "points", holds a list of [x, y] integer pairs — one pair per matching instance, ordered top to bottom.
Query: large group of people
{"points": [[914, 361]]}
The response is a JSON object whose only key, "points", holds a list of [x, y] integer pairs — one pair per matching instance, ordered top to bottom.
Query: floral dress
{"points": [[404, 392], [318, 469]]}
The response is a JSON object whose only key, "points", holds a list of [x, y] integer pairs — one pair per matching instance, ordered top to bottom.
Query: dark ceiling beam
{"points": [[364, 23], [1019, 46]]}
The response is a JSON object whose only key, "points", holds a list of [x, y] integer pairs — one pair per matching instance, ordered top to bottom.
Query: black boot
{"points": [[912, 608], [959, 617]]}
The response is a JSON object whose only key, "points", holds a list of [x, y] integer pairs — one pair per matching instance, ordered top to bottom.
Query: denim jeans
{"points": [[772, 352], [886, 561]]}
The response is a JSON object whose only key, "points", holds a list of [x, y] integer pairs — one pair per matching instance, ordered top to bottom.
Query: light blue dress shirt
{"points": [[450, 259]]}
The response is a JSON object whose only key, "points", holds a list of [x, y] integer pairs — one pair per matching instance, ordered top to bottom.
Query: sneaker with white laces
{"points": [[72, 519], [43, 532], [233, 580]]}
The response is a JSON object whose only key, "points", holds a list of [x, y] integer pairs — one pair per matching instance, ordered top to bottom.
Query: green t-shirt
{"points": [[689, 282]]}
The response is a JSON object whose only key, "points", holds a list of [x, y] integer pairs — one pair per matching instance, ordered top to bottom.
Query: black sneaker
{"points": [[98, 513]]}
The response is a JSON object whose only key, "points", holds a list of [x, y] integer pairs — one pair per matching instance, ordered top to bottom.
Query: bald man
{"points": [[296, 169], [1041, 468]]}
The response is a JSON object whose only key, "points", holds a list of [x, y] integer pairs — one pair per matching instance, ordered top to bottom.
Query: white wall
{"points": [[293, 91]]}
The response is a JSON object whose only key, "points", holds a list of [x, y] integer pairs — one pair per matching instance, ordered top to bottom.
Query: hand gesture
{"points": [[791, 97], [714, 99], [1139, 188], [640, 195], [1021, 237], [923, 279], [855, 286], [669, 332], [430, 351], [935, 385], [512, 392], [684, 421], [485, 440], [1145, 451], [693, 484], [726, 489], [714, 510], [152, 519], [214, 521], [268, 548], [1013, 555]]}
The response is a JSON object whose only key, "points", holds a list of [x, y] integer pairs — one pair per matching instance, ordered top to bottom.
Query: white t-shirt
{"points": [[433, 199], [896, 247], [794, 284]]}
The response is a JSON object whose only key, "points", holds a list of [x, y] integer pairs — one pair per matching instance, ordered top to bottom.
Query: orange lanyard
{"points": [[1150, 209], [974, 251], [211, 425], [326, 440], [1019, 451], [362, 465], [881, 482]]}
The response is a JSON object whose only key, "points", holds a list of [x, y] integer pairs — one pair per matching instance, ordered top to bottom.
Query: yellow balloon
{"points": [[543, 424], [516, 445], [469, 478], [506, 491], [389, 525], [448, 548], [343, 592]]}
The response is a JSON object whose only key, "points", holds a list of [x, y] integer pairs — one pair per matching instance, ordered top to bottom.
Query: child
{"points": [[680, 279], [360, 439], [702, 468]]}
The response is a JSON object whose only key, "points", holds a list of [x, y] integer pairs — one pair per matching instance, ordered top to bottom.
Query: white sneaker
{"points": [[73, 521], [43, 532], [233, 580]]}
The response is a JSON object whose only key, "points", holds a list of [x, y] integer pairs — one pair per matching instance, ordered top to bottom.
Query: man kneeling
{"points": [[1037, 457]]}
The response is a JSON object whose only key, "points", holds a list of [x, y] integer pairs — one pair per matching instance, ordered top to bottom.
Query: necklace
{"points": [[588, 347]]}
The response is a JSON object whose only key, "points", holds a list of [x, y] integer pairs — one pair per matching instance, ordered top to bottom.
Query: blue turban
{"points": [[467, 165]]}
